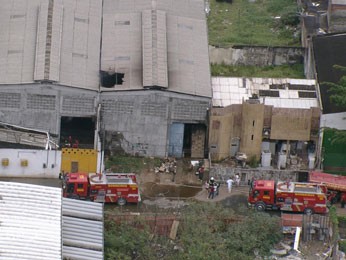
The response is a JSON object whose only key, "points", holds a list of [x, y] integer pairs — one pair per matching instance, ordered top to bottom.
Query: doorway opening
{"points": [[77, 132], [187, 140]]}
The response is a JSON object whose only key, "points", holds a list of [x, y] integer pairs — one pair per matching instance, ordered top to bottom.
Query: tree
{"points": [[338, 90], [338, 97]]}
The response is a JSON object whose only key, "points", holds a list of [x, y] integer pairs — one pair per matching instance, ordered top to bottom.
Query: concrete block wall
{"points": [[256, 55], [40, 106], [141, 119], [198, 144], [222, 173]]}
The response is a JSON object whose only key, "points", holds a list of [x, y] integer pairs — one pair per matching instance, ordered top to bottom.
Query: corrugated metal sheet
{"points": [[154, 48], [230, 91], [30, 222], [82, 230]]}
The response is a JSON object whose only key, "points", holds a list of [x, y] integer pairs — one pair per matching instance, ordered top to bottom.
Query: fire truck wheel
{"points": [[121, 201], [260, 206], [308, 211]]}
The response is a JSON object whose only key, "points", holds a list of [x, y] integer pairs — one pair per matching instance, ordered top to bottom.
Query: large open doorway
{"points": [[77, 132], [187, 140]]}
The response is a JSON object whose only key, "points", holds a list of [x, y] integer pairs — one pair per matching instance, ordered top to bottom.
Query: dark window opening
{"points": [[110, 79], [302, 87], [269, 93], [306, 94], [253, 123], [189, 131], [77, 132], [251, 137], [70, 188], [280, 199]]}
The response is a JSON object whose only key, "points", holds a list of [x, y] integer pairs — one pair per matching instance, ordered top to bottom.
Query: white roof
{"points": [[284, 93], [335, 120], [30, 222]]}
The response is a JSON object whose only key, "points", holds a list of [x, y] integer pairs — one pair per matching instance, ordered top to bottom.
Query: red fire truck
{"points": [[336, 185], [117, 188], [308, 198]]}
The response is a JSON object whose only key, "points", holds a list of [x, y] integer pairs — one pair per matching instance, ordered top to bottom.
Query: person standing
{"points": [[201, 173], [237, 180], [229, 184], [206, 186], [211, 188], [211, 191]]}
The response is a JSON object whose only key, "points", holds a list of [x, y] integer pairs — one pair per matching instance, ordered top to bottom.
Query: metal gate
{"points": [[176, 138]]}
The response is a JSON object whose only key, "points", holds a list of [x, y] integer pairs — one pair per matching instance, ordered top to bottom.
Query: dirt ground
{"points": [[236, 200]]}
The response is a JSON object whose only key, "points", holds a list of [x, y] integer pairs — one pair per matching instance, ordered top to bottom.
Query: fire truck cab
{"points": [[76, 185], [117, 188], [288, 196]]}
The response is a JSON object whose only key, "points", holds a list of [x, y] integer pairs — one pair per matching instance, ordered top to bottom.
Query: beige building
{"points": [[264, 118]]}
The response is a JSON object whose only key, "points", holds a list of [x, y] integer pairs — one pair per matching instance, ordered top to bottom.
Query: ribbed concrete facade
{"points": [[132, 67]]}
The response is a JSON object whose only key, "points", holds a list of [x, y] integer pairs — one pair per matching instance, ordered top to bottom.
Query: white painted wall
{"points": [[41, 163]]}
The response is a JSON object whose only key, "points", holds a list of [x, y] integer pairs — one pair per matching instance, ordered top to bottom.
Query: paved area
{"points": [[223, 193]]}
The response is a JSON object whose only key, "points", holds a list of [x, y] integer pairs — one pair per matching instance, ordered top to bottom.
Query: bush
{"points": [[253, 162], [206, 231]]}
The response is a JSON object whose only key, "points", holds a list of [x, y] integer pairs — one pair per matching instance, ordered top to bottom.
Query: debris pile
{"points": [[169, 165]]}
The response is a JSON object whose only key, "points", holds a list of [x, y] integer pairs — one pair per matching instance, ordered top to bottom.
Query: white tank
{"points": [[266, 158]]}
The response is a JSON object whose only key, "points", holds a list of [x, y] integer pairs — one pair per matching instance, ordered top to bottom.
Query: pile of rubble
{"points": [[169, 165]]}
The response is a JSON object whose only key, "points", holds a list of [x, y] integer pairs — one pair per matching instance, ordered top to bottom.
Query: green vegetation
{"points": [[260, 22], [284, 71], [338, 90], [334, 151], [126, 163], [253, 163], [205, 231]]}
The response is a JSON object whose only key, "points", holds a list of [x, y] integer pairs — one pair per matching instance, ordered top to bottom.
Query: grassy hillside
{"points": [[253, 22], [285, 71]]}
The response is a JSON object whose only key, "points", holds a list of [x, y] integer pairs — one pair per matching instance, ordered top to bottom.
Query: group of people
{"points": [[70, 143], [212, 188]]}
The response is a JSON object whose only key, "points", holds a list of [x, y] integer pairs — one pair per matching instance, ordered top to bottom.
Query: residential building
{"points": [[275, 121]]}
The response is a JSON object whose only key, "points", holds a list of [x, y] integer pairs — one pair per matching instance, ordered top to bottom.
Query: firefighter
{"points": [[201, 173], [211, 188], [217, 188]]}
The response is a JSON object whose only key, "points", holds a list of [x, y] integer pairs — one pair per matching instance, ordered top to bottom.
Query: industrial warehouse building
{"points": [[136, 71]]}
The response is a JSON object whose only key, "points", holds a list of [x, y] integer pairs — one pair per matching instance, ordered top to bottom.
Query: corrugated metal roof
{"points": [[185, 33], [63, 46], [285, 93], [30, 222], [82, 232]]}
